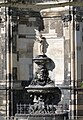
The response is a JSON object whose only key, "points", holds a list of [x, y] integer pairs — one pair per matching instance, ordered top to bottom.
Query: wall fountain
{"points": [[42, 94]]}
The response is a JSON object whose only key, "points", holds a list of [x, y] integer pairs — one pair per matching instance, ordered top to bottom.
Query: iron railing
{"points": [[36, 1], [47, 109]]}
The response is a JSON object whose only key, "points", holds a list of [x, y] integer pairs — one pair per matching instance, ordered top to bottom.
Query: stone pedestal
{"points": [[63, 116]]}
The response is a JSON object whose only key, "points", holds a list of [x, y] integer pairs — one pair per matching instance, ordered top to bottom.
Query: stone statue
{"points": [[42, 44]]}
